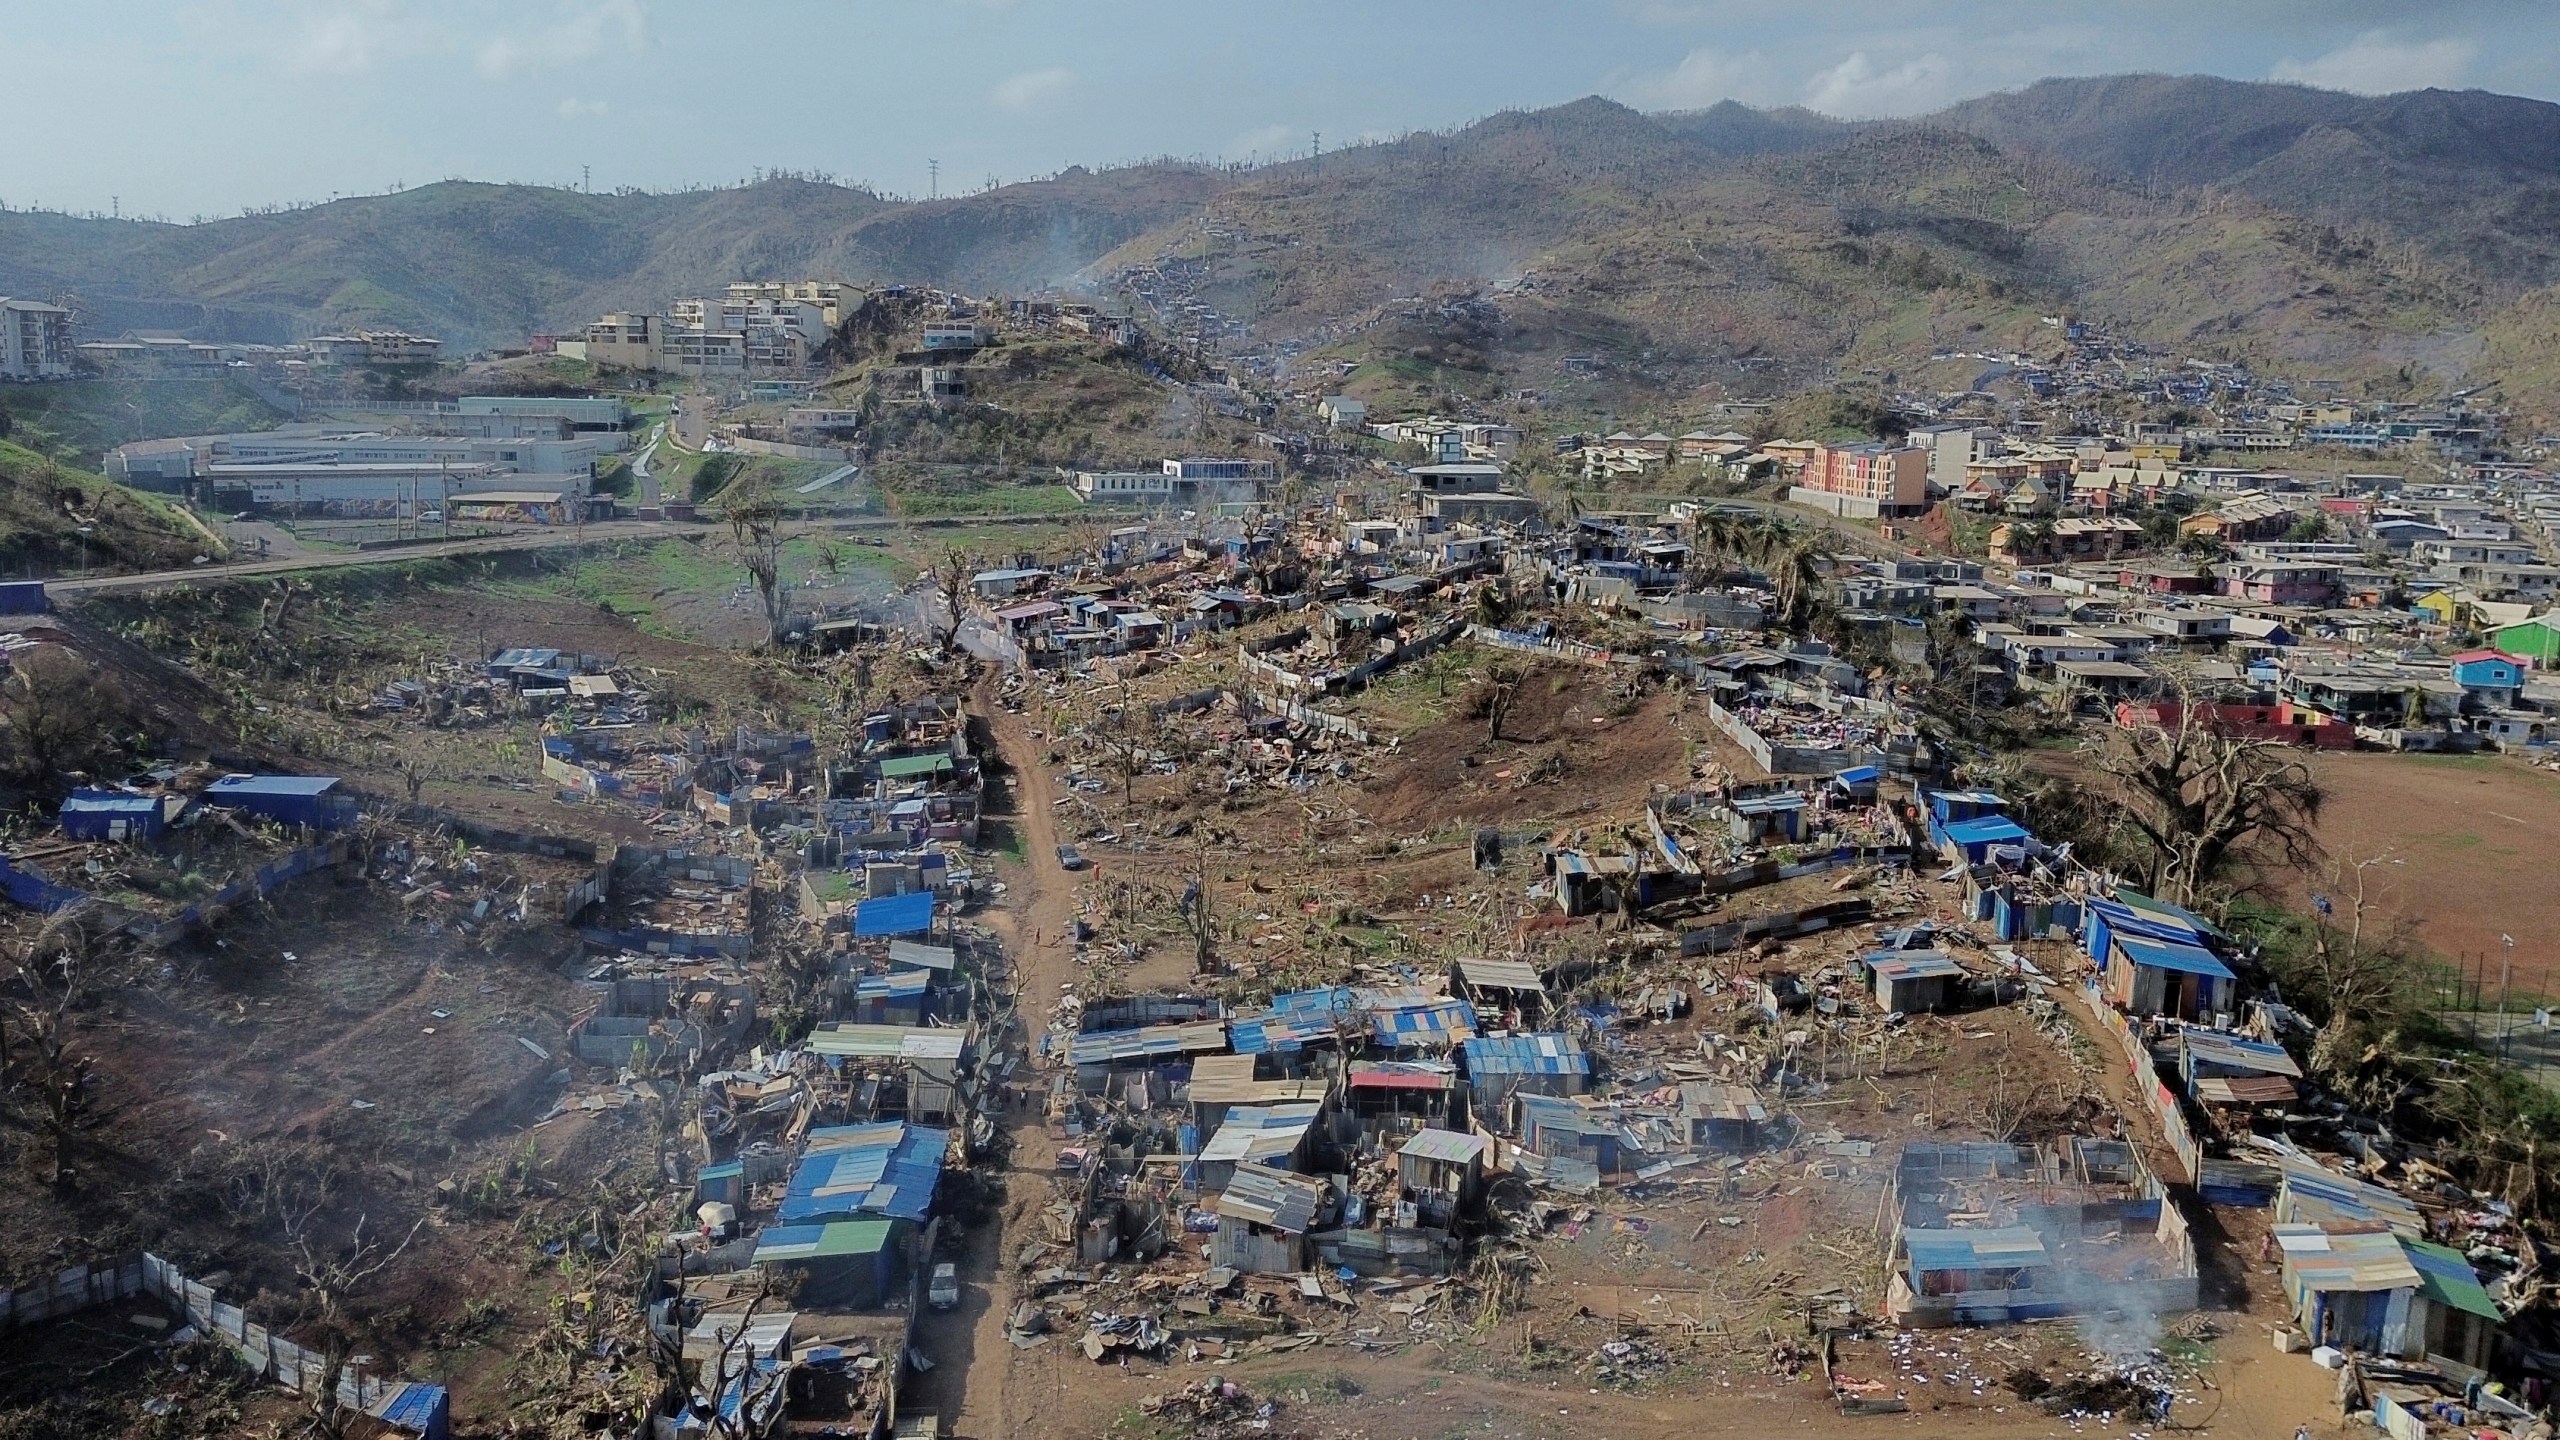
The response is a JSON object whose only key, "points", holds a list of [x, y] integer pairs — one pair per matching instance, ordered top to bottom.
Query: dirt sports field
{"points": [[2474, 845]]}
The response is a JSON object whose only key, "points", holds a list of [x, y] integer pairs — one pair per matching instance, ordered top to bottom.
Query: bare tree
{"points": [[758, 529], [949, 580], [1494, 697], [57, 713], [1128, 735], [2194, 795], [2358, 961], [46, 981]]}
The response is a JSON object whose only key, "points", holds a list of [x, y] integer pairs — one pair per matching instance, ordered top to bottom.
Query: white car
{"points": [[943, 1291]]}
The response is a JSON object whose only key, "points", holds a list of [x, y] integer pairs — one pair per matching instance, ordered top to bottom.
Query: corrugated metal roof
{"points": [[907, 767], [2170, 955], [923, 957], [1900, 965], [1500, 975], [891, 986], [1421, 1024], [887, 1042], [1108, 1047], [2212, 1047], [1540, 1054], [1404, 1075], [2245, 1090], [1721, 1100], [1549, 1112], [1260, 1132], [1451, 1146], [895, 1179], [2311, 1195], [1263, 1196], [817, 1242], [1989, 1249], [2340, 1257], [2446, 1278], [412, 1407]]}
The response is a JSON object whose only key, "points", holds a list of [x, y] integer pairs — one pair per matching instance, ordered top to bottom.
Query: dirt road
{"points": [[1033, 923]]}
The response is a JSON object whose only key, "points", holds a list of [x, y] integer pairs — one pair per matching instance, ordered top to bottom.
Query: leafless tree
{"points": [[758, 529], [949, 580], [1496, 695], [1128, 735], [2194, 795], [2358, 960], [46, 982], [333, 1269]]}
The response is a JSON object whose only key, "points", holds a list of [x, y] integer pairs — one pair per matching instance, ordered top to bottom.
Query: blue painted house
{"points": [[2490, 675]]}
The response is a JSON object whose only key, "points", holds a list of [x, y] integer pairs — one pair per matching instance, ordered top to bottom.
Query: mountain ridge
{"points": [[2279, 223]]}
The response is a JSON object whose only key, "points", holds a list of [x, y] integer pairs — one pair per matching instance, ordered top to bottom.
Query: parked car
{"points": [[1070, 858], [943, 1291]]}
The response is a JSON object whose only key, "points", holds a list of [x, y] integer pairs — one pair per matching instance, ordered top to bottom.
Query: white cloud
{"points": [[584, 33], [339, 39], [2375, 64], [1702, 78], [1032, 89], [1858, 89], [574, 109], [1271, 142]]}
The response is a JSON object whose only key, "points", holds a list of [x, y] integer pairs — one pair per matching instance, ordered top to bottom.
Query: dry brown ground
{"points": [[2470, 844]]}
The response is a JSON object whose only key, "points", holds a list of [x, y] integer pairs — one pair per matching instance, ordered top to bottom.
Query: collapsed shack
{"points": [[1990, 1233]]}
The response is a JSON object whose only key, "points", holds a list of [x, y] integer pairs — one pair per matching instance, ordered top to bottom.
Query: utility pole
{"points": [[1316, 150], [934, 169], [587, 179], [444, 496], [2506, 967]]}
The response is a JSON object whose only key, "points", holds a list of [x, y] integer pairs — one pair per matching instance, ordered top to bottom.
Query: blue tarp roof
{"points": [[1859, 775], [1987, 830], [894, 914], [2169, 955], [1525, 1055], [894, 1179]]}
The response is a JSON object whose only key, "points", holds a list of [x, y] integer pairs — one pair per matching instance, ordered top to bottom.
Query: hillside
{"points": [[2470, 177], [1739, 250], [483, 265], [1474, 266], [55, 520]]}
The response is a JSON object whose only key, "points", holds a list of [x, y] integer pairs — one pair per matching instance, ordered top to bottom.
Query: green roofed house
{"points": [[2537, 639], [914, 767], [842, 1264], [2361, 1287]]}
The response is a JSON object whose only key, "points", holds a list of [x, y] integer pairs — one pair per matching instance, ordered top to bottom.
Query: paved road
{"points": [[602, 532]]}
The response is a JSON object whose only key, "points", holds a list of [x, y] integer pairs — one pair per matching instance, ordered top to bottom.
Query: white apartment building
{"points": [[35, 340]]}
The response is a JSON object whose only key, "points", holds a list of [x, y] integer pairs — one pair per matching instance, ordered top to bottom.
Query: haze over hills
{"points": [[2400, 239]]}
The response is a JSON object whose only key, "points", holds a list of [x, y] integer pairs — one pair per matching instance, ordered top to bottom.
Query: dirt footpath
{"points": [[1033, 924]]}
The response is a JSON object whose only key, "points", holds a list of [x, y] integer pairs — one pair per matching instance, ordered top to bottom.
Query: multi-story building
{"points": [[35, 340], [632, 342], [373, 347], [1868, 479]]}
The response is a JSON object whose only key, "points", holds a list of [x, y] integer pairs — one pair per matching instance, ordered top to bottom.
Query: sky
{"points": [[184, 108]]}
